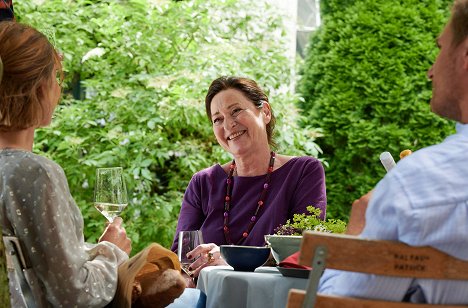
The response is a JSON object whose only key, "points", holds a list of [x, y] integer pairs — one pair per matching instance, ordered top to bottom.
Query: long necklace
{"points": [[260, 203]]}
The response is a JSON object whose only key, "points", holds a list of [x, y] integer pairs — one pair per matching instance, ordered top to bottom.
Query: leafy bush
{"points": [[328, 7], [145, 67], [364, 83], [4, 290]]}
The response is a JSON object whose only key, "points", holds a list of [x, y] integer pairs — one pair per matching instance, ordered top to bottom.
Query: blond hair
{"points": [[28, 61]]}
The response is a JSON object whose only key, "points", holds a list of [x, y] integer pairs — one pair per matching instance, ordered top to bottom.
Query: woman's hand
{"points": [[116, 234], [205, 255]]}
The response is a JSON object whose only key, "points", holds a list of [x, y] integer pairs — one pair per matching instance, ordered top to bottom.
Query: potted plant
{"points": [[287, 238]]}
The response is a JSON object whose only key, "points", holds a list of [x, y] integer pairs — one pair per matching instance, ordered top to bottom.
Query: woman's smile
{"points": [[236, 135]]}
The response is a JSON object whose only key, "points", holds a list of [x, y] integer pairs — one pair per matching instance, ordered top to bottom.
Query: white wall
{"points": [[301, 18]]}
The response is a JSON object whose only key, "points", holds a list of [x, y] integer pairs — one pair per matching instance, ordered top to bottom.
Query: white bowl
{"points": [[282, 246]]}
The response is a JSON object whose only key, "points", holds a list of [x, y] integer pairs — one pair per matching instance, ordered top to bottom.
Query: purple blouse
{"points": [[300, 182]]}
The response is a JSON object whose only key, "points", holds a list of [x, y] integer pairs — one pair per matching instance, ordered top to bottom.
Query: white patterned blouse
{"points": [[36, 206]]}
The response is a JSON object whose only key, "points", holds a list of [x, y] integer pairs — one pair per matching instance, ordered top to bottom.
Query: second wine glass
{"points": [[110, 192], [188, 240]]}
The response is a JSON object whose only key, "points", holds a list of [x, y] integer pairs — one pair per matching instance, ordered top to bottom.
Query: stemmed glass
{"points": [[110, 192], [188, 240]]}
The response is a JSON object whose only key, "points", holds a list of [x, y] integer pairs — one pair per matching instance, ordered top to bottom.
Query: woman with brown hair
{"points": [[35, 201], [241, 201]]}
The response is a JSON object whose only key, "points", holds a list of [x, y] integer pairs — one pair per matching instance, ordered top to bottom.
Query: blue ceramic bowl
{"points": [[245, 258]]}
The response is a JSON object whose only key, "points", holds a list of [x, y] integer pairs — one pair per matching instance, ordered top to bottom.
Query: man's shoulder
{"points": [[444, 156], [434, 175]]}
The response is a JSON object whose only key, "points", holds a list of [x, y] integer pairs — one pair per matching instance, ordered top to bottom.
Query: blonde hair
{"points": [[28, 60]]}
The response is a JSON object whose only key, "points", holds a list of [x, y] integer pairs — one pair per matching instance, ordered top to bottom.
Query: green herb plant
{"points": [[311, 221]]}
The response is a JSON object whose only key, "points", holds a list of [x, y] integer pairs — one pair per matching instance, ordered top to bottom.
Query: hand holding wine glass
{"points": [[110, 193], [115, 233], [188, 240]]}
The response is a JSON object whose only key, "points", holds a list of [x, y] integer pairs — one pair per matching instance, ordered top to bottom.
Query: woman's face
{"points": [[51, 90], [239, 126]]}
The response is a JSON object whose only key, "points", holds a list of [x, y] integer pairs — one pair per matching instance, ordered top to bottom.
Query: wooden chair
{"points": [[390, 258], [26, 283], [4, 289]]}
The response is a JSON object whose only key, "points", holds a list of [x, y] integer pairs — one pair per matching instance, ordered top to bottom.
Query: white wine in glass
{"points": [[110, 192]]}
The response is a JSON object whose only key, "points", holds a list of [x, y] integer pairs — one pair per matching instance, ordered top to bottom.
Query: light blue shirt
{"points": [[422, 201]]}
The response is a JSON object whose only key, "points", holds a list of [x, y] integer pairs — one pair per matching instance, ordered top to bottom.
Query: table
{"points": [[265, 287]]}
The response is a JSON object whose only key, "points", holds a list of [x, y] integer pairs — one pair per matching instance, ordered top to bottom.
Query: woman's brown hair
{"points": [[459, 22], [28, 61], [250, 89]]}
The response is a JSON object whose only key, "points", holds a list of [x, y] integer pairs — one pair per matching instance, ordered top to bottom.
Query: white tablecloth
{"points": [[265, 287]]}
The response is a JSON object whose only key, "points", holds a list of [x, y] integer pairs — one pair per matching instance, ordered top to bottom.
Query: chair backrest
{"points": [[390, 258], [25, 283], [4, 289]]}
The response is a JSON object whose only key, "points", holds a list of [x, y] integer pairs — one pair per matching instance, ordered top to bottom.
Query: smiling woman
{"points": [[239, 125], [240, 201]]}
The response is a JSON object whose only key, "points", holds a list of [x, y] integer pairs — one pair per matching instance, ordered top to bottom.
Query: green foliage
{"points": [[329, 7], [145, 66], [364, 83], [312, 221], [4, 289]]}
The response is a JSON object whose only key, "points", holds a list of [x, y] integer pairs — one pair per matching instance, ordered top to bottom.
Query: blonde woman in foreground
{"points": [[35, 201]]}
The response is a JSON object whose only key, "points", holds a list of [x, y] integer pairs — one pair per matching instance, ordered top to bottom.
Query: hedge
{"points": [[364, 83]]}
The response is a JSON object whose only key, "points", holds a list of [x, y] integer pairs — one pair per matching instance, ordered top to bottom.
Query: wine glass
{"points": [[110, 192], [188, 240]]}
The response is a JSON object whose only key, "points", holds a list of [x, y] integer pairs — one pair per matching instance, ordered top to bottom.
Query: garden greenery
{"points": [[143, 68], [364, 83], [311, 221], [4, 290]]}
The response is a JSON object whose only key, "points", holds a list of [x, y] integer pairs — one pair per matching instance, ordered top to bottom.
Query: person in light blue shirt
{"points": [[424, 199]]}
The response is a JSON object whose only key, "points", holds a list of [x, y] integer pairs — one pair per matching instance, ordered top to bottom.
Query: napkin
{"points": [[292, 262]]}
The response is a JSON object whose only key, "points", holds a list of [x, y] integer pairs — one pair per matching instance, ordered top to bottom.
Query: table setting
{"points": [[247, 281], [264, 287]]}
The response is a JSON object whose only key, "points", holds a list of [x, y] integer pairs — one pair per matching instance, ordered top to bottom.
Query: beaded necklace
{"points": [[260, 203]]}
